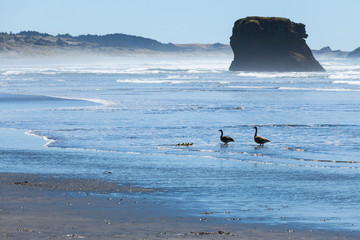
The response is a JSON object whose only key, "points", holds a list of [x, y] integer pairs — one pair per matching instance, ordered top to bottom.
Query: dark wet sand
{"points": [[40, 207]]}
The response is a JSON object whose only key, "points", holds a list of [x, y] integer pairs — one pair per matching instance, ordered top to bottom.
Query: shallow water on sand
{"points": [[121, 120]]}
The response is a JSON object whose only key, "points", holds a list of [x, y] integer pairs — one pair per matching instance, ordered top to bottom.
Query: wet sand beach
{"points": [[44, 207]]}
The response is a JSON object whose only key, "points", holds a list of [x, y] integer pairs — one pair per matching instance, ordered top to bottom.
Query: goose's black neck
{"points": [[255, 131]]}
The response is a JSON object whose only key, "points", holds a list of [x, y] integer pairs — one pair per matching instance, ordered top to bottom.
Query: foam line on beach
{"points": [[20, 97], [25, 98], [94, 100], [47, 139], [266, 156], [349, 164]]}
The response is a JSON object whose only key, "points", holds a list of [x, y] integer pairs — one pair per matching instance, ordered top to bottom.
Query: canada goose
{"points": [[225, 139], [260, 140]]}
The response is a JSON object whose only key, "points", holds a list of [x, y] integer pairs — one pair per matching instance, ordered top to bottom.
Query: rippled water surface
{"points": [[127, 115]]}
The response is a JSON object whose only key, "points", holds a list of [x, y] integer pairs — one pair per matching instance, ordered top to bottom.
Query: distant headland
{"points": [[40, 44], [271, 44]]}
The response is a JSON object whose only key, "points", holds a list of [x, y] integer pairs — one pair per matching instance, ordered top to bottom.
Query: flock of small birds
{"points": [[258, 139]]}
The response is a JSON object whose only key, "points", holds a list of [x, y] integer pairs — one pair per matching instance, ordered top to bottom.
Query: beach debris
{"points": [[185, 144], [294, 149], [21, 183], [41, 185], [84, 186], [209, 213], [25, 230], [210, 233], [74, 235]]}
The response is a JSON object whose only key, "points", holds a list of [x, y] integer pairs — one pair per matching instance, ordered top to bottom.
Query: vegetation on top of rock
{"points": [[33, 34], [126, 41]]}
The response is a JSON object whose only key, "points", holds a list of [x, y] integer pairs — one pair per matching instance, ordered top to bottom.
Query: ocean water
{"points": [[121, 118]]}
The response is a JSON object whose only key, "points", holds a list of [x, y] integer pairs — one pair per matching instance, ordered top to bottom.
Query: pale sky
{"points": [[334, 23]]}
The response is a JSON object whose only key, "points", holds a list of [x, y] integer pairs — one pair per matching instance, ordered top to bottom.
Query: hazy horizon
{"points": [[182, 21]]}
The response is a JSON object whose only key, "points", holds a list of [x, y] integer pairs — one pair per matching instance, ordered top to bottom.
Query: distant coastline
{"points": [[32, 43], [327, 52]]}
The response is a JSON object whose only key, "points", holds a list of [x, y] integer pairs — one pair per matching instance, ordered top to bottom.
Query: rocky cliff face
{"points": [[271, 44]]}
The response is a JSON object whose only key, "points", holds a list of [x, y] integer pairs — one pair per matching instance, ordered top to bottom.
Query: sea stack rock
{"points": [[271, 44]]}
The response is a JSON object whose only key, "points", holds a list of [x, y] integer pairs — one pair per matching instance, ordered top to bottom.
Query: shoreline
{"points": [[47, 207]]}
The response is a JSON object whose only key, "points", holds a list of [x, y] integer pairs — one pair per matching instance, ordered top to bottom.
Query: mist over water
{"points": [[126, 115]]}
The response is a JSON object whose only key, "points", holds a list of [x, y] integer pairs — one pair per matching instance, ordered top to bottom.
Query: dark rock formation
{"points": [[271, 44], [355, 53]]}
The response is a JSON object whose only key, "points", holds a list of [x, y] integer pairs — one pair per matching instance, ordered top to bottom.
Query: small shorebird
{"points": [[225, 139], [260, 140]]}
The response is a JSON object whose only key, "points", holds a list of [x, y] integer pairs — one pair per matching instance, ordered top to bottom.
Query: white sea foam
{"points": [[141, 67], [342, 67], [85, 70], [12, 72], [282, 74], [345, 75], [182, 76], [174, 80], [150, 81], [347, 82], [252, 87], [320, 89], [99, 101], [36, 134]]}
